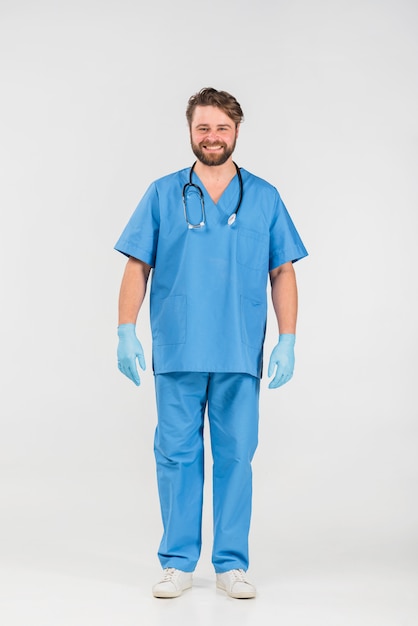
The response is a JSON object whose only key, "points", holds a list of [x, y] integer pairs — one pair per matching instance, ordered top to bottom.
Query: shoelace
{"points": [[169, 574], [239, 575]]}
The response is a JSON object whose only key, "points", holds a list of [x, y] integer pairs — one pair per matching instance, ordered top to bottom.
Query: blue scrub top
{"points": [[209, 285]]}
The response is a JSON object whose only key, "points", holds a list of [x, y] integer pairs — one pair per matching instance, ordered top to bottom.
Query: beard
{"points": [[217, 158]]}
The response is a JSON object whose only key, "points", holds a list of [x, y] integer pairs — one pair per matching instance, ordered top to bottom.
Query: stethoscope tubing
{"points": [[233, 215]]}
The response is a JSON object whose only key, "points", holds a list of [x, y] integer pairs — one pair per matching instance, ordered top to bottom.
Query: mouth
{"points": [[212, 148]]}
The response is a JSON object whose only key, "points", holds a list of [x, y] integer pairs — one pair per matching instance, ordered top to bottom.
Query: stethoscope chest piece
{"points": [[231, 219]]}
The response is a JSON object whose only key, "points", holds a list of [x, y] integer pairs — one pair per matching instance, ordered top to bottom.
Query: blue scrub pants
{"points": [[232, 401]]}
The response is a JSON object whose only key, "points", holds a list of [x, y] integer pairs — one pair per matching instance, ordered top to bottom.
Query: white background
{"points": [[92, 107]]}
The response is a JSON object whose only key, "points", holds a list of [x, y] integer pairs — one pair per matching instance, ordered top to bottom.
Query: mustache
{"points": [[212, 144]]}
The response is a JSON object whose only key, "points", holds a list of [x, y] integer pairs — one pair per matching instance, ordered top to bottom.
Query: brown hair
{"points": [[212, 97]]}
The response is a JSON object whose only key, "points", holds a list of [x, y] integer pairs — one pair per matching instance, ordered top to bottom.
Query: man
{"points": [[212, 234]]}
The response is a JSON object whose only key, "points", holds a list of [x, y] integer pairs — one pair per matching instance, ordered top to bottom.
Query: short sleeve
{"points": [[140, 237], [285, 242]]}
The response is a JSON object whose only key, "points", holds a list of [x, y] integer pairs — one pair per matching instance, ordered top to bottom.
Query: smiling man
{"points": [[213, 135], [212, 234]]}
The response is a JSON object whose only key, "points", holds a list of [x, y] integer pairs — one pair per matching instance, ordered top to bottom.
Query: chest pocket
{"points": [[252, 249]]}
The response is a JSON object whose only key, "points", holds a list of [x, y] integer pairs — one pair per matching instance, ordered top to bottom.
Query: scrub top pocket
{"points": [[252, 249], [169, 320]]}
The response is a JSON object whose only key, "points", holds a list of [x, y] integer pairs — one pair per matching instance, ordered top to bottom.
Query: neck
{"points": [[216, 173]]}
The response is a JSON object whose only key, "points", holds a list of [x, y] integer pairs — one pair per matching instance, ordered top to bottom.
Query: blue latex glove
{"points": [[129, 350], [283, 359]]}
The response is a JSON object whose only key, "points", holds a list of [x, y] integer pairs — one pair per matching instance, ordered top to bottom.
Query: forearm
{"points": [[132, 290], [284, 296]]}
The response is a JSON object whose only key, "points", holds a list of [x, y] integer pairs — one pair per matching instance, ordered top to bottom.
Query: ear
{"points": [[238, 126]]}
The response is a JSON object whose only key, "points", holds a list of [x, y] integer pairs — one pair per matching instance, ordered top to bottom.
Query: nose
{"points": [[211, 135]]}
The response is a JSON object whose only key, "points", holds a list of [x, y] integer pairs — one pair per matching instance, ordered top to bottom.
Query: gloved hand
{"points": [[130, 349], [283, 359]]}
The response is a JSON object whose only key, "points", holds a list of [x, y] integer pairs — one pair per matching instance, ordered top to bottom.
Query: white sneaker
{"points": [[172, 584], [235, 584]]}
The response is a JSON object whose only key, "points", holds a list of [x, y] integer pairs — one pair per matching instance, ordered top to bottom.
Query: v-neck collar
{"points": [[228, 199]]}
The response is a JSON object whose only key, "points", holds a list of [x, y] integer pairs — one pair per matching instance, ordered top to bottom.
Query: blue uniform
{"points": [[208, 294], [208, 318]]}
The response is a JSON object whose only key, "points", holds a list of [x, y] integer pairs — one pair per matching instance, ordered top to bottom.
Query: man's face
{"points": [[213, 135]]}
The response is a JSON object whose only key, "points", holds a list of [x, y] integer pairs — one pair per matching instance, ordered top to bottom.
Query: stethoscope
{"points": [[190, 186]]}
